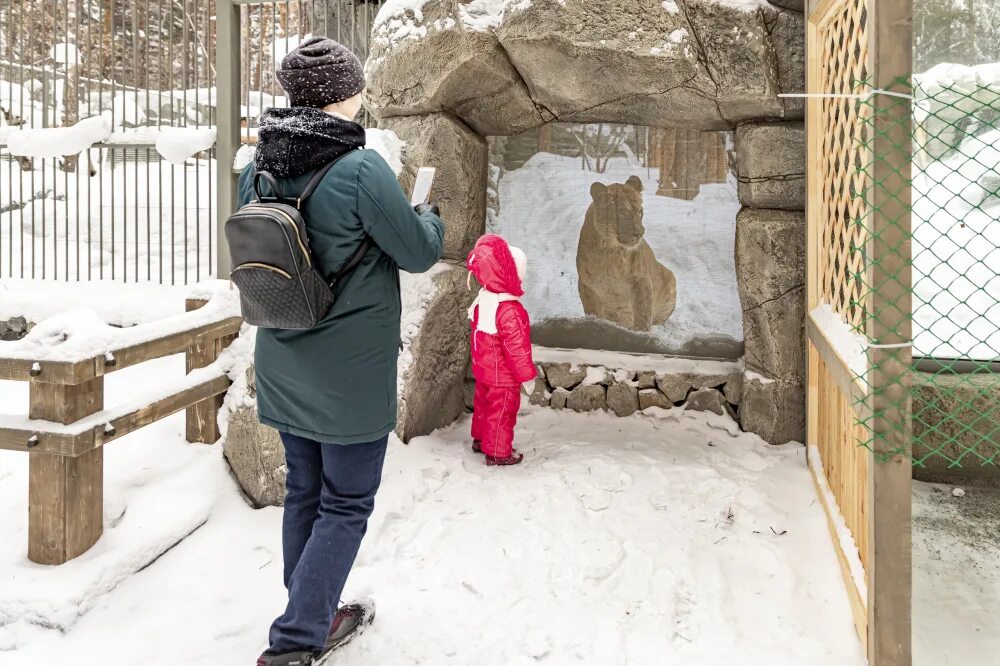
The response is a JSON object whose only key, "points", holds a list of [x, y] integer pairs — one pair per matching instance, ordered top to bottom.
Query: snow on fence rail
{"points": [[67, 424]]}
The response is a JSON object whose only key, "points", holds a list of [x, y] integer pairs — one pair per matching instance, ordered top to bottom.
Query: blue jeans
{"points": [[330, 493]]}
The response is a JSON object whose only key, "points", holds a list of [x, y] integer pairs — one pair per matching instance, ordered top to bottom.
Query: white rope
{"points": [[865, 95], [895, 345]]}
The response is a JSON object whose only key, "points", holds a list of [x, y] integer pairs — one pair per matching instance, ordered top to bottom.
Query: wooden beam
{"points": [[889, 325], [838, 367], [77, 372], [65, 403], [202, 419], [65, 442], [65, 494], [858, 604]]}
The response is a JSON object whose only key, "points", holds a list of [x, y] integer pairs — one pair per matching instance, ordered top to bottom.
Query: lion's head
{"points": [[617, 211]]}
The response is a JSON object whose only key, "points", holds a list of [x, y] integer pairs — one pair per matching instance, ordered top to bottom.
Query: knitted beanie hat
{"points": [[320, 72]]}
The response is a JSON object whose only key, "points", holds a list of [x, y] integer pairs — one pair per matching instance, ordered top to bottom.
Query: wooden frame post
{"points": [[889, 325], [203, 418], [65, 494]]}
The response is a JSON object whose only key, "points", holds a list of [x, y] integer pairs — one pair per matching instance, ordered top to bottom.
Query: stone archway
{"points": [[452, 72]]}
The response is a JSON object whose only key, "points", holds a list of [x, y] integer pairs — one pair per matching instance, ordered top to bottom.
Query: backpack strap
{"points": [[317, 178], [275, 190], [353, 261]]}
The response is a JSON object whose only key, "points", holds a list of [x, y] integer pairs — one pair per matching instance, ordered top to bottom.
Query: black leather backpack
{"points": [[280, 285]]}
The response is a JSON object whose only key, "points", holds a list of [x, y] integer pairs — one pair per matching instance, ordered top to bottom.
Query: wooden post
{"points": [[889, 325], [203, 418], [65, 495]]}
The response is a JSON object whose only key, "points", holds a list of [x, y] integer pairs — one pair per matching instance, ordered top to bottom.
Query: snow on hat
{"points": [[321, 72]]}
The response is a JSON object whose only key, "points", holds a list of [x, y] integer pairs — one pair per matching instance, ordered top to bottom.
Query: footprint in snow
{"points": [[435, 477]]}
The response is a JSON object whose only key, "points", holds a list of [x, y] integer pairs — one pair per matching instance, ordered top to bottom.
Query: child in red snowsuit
{"points": [[501, 347]]}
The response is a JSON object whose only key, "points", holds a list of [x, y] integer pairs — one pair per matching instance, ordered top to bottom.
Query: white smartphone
{"points": [[422, 186]]}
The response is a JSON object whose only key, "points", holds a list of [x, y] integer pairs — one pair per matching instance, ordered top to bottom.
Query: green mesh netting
{"points": [[931, 192]]}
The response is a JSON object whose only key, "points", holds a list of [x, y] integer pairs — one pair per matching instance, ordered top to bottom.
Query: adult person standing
{"points": [[331, 390]]}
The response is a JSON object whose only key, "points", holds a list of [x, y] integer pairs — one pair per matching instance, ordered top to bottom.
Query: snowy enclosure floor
{"points": [[649, 540], [956, 575]]}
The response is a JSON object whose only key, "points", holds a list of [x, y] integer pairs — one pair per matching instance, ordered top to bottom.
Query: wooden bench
{"points": [[69, 425]]}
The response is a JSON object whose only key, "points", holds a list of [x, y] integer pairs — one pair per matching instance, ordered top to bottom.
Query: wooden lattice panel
{"points": [[842, 40]]}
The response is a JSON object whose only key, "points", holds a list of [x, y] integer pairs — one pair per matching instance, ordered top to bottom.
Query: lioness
{"points": [[620, 279]]}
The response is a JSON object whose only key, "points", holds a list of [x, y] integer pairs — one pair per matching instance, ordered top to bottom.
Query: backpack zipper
{"points": [[291, 223], [267, 267]]}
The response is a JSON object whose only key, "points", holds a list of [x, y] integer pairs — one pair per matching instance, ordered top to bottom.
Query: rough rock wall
{"points": [[506, 67], [770, 275]]}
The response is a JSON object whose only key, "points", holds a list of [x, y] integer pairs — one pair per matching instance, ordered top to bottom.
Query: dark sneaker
{"points": [[477, 446], [513, 459], [350, 622], [286, 659]]}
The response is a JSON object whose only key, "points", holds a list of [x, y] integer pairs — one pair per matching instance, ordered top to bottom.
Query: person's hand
{"points": [[427, 208], [529, 386]]}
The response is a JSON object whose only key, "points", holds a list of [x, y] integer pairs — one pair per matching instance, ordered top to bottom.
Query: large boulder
{"points": [[794, 5], [787, 34], [446, 59], [697, 62], [508, 66], [460, 157], [771, 163], [770, 276], [770, 280], [432, 366], [564, 375], [677, 385], [589, 398], [623, 398], [653, 398], [773, 409], [254, 452]]}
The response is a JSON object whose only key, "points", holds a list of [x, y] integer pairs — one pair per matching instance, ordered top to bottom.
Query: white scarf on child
{"points": [[488, 303]]}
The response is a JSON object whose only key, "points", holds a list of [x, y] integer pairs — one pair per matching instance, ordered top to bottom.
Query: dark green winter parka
{"points": [[336, 382]]}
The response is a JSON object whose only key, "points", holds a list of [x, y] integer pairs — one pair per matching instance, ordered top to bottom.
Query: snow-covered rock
{"points": [[446, 56], [505, 66], [432, 364], [565, 375], [587, 398], [623, 398], [653, 398], [706, 400], [773, 409], [254, 452]]}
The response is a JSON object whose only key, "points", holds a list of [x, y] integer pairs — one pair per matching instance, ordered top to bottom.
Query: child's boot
{"points": [[513, 459]]}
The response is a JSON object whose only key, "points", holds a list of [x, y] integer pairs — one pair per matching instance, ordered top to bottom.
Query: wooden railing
{"points": [[68, 424]]}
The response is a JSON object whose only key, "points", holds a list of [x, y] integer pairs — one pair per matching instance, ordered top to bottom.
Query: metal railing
{"points": [[119, 210]]}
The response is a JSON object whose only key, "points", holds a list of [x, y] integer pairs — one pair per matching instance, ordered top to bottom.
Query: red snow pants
{"points": [[494, 413]]}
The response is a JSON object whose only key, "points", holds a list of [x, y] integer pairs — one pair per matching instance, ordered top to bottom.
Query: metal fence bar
{"points": [[119, 210]]}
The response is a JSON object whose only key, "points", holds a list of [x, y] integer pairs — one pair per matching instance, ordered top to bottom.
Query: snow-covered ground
{"points": [[669, 537], [650, 540], [956, 575]]}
